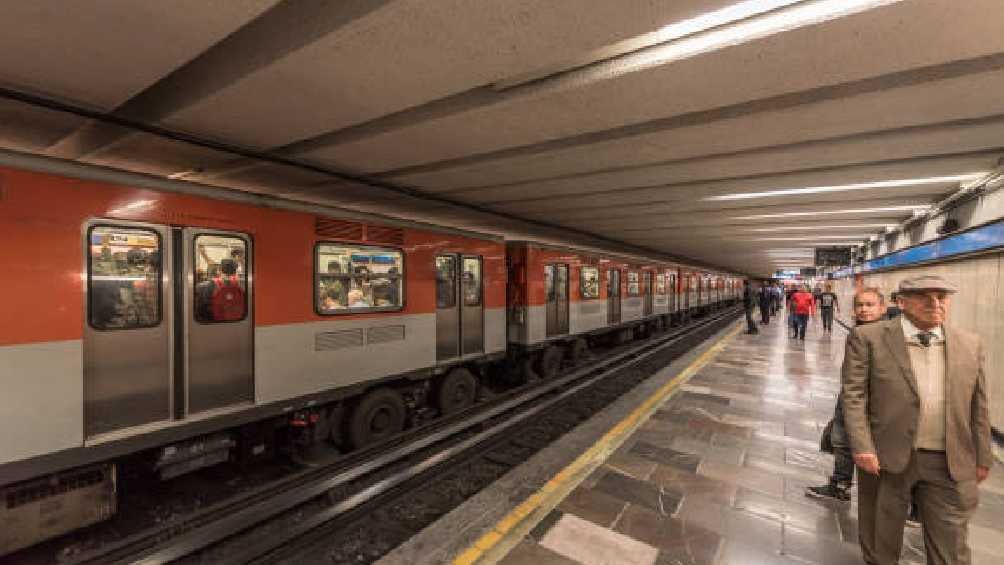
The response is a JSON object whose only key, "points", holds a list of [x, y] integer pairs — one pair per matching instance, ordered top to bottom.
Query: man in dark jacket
{"points": [[764, 297], [749, 301]]}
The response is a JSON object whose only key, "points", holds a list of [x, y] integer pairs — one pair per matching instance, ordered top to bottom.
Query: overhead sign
{"points": [[833, 256], [808, 271]]}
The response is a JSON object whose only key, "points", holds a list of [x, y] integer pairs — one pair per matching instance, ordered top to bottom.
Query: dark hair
{"points": [[228, 267]]}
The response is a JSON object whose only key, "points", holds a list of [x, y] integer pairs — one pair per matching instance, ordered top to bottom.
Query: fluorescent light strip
{"points": [[800, 15], [846, 187], [908, 208], [812, 228], [844, 237]]}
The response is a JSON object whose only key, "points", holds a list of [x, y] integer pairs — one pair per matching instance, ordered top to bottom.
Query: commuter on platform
{"points": [[764, 297], [775, 298], [749, 300], [827, 304], [803, 305], [869, 306], [916, 414]]}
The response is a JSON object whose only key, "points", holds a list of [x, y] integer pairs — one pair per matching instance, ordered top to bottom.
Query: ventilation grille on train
{"points": [[338, 229], [356, 231], [385, 235], [590, 309], [384, 334], [330, 341], [39, 489]]}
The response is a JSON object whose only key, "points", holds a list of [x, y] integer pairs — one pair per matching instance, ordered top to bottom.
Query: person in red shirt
{"points": [[803, 303]]}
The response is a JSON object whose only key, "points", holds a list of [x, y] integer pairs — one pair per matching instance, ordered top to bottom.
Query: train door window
{"points": [[446, 274], [124, 278], [354, 278], [220, 279], [472, 281], [589, 282], [660, 283]]}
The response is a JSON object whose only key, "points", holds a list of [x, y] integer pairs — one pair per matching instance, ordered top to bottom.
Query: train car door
{"points": [[646, 281], [673, 292], [556, 294], [613, 297], [459, 306], [447, 308], [472, 323], [218, 344], [127, 356]]}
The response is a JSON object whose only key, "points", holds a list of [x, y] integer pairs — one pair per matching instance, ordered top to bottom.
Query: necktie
{"points": [[925, 338]]}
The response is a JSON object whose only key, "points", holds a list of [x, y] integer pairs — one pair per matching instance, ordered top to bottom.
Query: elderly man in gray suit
{"points": [[915, 405]]}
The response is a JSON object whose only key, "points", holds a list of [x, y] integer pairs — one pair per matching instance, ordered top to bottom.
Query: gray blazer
{"points": [[882, 409]]}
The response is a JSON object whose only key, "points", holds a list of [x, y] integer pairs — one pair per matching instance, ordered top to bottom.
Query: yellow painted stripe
{"points": [[509, 531]]}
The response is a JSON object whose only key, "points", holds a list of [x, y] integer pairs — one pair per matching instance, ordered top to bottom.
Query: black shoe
{"points": [[832, 491]]}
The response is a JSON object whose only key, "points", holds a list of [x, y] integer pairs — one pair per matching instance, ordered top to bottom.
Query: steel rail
{"points": [[258, 512]]}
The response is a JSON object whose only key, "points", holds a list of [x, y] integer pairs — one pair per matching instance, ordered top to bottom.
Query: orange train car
{"points": [[560, 297], [140, 315]]}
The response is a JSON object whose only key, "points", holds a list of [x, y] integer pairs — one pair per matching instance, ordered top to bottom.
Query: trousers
{"points": [[827, 315], [801, 323], [843, 459], [945, 506]]}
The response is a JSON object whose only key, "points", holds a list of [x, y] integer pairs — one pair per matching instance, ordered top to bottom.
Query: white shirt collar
{"points": [[911, 331]]}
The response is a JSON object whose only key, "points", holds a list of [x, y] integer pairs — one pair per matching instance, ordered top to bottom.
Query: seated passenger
{"points": [[357, 299], [332, 300]]}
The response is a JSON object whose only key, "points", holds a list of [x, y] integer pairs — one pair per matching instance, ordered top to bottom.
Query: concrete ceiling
{"points": [[597, 122]]}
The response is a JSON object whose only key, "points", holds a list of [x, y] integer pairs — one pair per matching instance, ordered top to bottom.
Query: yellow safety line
{"points": [[524, 517]]}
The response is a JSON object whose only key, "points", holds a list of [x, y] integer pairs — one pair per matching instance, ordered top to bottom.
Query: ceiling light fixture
{"points": [[798, 15], [845, 187], [907, 208], [813, 228], [815, 236]]}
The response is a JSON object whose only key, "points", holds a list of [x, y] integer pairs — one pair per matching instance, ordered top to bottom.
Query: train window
{"points": [[446, 276], [355, 278], [220, 279], [472, 281], [589, 282], [123, 283], [660, 283], [633, 286]]}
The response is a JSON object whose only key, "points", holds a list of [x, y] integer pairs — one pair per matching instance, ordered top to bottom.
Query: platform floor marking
{"points": [[510, 530]]}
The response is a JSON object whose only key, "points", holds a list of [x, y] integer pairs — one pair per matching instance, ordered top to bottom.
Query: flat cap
{"points": [[926, 282]]}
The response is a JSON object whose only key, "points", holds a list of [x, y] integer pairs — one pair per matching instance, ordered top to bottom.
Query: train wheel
{"points": [[578, 350], [549, 362], [457, 391], [379, 415]]}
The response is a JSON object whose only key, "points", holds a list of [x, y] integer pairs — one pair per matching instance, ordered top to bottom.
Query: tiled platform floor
{"points": [[717, 476]]}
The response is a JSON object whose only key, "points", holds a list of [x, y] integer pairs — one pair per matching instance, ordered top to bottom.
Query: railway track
{"points": [[302, 513]]}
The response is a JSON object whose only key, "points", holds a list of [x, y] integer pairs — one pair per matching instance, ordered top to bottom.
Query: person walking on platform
{"points": [[764, 298], [749, 299], [827, 304], [803, 305], [869, 306], [916, 412]]}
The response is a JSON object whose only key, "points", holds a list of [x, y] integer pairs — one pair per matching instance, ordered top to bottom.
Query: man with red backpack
{"points": [[221, 299], [803, 304]]}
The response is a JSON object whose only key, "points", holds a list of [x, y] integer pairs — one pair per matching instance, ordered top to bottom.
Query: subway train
{"points": [[183, 326]]}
